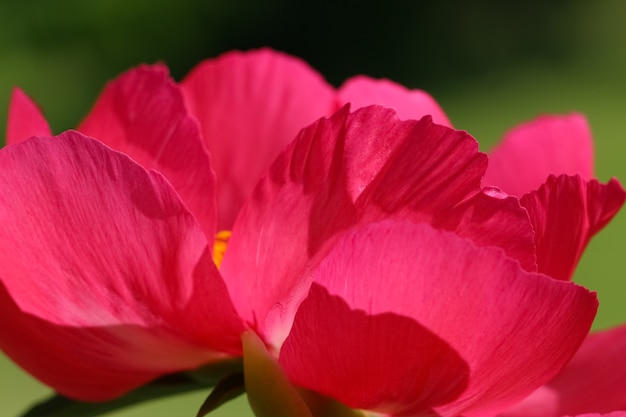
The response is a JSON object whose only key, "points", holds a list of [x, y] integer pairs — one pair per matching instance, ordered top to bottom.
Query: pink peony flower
{"points": [[370, 260], [390, 315]]}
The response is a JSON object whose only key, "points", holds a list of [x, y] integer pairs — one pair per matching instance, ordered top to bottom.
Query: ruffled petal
{"points": [[364, 91], [250, 106], [143, 114], [25, 119], [531, 152], [356, 168], [433, 174], [295, 209], [566, 212], [492, 218], [107, 279], [403, 318], [594, 381]]}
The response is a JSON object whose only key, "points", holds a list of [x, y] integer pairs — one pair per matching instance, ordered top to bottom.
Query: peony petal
{"points": [[364, 91], [250, 106], [143, 115], [25, 119], [532, 151], [358, 168], [433, 175], [313, 183], [296, 208], [566, 212], [492, 218], [107, 280], [394, 303], [342, 352], [593, 382], [611, 414]]}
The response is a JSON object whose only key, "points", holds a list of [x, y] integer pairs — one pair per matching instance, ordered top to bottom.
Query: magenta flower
{"points": [[366, 254], [437, 315]]}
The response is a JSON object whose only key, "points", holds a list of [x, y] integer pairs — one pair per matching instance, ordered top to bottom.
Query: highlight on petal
{"points": [[364, 91], [250, 106], [143, 114], [25, 119], [531, 152], [357, 168], [303, 201], [566, 212], [106, 278], [419, 320], [594, 381]]}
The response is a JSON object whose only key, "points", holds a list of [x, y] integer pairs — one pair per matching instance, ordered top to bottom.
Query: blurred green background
{"points": [[491, 65]]}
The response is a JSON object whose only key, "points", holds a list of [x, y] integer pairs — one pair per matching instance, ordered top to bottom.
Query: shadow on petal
{"points": [[378, 362]]}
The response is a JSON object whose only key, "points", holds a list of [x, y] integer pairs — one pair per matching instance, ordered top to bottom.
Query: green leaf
{"points": [[203, 378], [227, 389]]}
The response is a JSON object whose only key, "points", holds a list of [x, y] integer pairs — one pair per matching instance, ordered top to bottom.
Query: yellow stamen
{"points": [[219, 248]]}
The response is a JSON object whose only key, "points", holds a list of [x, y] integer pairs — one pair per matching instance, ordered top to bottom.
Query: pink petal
{"points": [[364, 91], [250, 105], [143, 114], [25, 119], [532, 151], [358, 168], [433, 175], [299, 205], [566, 212], [491, 218], [107, 279], [394, 303], [347, 354], [593, 382], [611, 414]]}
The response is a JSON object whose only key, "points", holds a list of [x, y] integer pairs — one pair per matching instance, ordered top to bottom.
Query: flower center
{"points": [[219, 248]]}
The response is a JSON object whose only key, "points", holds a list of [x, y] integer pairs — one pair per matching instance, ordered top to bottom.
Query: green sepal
{"points": [[203, 378], [271, 394], [321, 406]]}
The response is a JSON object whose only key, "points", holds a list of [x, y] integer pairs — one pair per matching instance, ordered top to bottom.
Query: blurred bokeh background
{"points": [[491, 65]]}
